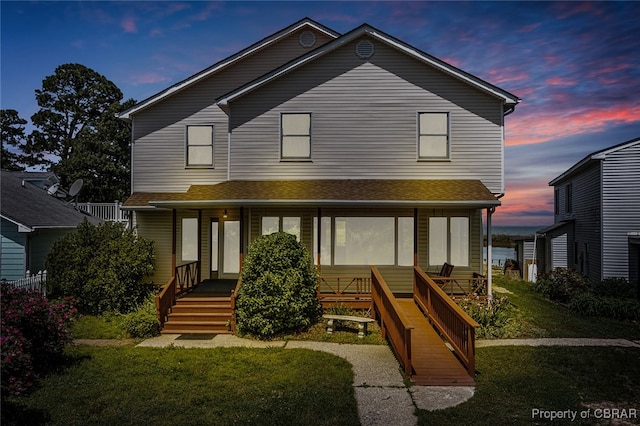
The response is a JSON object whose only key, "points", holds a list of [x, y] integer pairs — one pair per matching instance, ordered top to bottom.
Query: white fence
{"points": [[108, 211], [36, 282]]}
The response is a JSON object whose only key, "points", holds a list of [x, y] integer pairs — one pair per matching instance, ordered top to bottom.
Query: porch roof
{"points": [[337, 192]]}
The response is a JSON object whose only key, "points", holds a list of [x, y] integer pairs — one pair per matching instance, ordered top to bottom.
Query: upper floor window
{"points": [[433, 135], [295, 136], [199, 146], [556, 201], [568, 201]]}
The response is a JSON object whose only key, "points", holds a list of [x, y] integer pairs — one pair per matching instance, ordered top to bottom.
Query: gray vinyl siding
{"points": [[365, 122], [159, 131], [620, 208], [156, 226], [559, 251], [13, 252]]}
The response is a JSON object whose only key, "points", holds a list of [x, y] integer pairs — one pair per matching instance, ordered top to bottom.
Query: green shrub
{"points": [[102, 267], [561, 284], [615, 287], [279, 288], [593, 305], [494, 316], [142, 322]]}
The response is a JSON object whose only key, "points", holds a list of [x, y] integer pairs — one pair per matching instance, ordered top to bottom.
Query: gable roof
{"points": [[303, 23], [509, 99], [594, 156], [329, 192], [32, 208]]}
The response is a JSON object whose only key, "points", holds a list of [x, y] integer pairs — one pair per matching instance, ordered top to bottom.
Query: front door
{"points": [[225, 248]]}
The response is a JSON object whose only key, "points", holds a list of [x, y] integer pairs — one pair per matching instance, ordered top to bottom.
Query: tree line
{"points": [[76, 134]]}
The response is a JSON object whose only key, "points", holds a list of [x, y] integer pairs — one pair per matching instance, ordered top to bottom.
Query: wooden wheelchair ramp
{"points": [[433, 363]]}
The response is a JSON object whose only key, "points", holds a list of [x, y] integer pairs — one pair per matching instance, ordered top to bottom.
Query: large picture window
{"points": [[433, 135], [295, 136], [199, 149], [290, 225], [449, 240]]}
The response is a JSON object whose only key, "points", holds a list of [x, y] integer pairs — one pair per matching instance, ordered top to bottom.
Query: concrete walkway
{"points": [[381, 394]]}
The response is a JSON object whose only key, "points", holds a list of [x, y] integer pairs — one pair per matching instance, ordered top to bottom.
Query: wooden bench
{"points": [[362, 322]]}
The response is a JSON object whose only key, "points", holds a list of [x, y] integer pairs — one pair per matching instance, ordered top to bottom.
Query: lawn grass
{"points": [[543, 318], [97, 327], [512, 381], [127, 385]]}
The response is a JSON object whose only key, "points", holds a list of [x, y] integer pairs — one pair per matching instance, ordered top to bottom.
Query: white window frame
{"points": [[424, 133], [284, 135], [188, 146], [189, 231], [440, 251]]}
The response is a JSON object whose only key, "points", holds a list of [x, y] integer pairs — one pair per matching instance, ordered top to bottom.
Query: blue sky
{"points": [[574, 64]]}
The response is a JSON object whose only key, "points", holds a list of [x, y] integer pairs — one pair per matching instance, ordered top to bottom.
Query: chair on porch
{"points": [[442, 279]]}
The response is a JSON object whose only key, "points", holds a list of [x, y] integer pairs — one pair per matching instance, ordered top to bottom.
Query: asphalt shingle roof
{"points": [[324, 192], [31, 206]]}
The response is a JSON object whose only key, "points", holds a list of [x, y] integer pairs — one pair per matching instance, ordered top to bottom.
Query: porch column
{"points": [[490, 212], [174, 216], [242, 236], [415, 237], [318, 238], [199, 270]]}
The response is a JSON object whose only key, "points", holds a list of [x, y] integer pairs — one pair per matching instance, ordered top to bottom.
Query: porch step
{"points": [[198, 315]]}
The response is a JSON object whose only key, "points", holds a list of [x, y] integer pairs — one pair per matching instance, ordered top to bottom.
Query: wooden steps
{"points": [[199, 314], [434, 364]]}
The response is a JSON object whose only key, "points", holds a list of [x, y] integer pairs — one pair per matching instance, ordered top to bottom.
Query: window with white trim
{"points": [[433, 135], [295, 136], [199, 146], [290, 225], [189, 239], [449, 241]]}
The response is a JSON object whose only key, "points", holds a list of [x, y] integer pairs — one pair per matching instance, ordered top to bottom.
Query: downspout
{"points": [[228, 155], [490, 212]]}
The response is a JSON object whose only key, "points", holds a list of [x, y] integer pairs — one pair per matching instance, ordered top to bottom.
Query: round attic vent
{"points": [[307, 39], [365, 49]]}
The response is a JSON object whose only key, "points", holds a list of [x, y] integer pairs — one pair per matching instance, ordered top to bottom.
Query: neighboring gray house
{"points": [[369, 150], [32, 220], [596, 229]]}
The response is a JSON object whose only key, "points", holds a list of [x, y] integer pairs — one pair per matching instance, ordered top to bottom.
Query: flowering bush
{"points": [[494, 316], [34, 334]]}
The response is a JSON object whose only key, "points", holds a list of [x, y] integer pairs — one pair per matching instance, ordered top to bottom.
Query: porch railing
{"points": [[107, 211], [187, 277], [37, 282], [340, 285], [456, 287], [234, 295], [165, 300], [454, 324], [394, 325]]}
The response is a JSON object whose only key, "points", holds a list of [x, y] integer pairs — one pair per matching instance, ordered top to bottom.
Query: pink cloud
{"points": [[128, 25], [528, 28], [148, 78], [560, 81], [537, 127]]}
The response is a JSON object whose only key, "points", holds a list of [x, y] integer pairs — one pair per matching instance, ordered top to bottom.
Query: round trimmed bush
{"points": [[279, 288]]}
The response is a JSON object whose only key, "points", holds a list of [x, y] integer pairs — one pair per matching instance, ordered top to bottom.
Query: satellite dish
{"points": [[75, 187], [53, 189]]}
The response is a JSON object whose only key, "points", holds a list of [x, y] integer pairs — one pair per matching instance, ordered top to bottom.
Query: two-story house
{"points": [[370, 151], [596, 228]]}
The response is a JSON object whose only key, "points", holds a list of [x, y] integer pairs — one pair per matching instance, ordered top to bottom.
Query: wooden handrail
{"points": [[187, 277], [475, 285], [234, 295], [165, 300], [394, 324], [455, 325]]}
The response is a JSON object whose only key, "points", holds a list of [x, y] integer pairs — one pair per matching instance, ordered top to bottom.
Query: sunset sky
{"points": [[575, 65]]}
